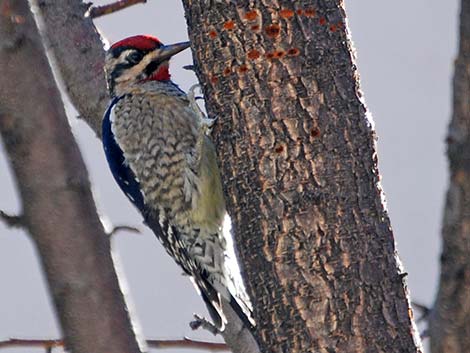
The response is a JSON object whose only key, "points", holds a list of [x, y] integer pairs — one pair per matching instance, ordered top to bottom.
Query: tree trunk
{"points": [[297, 152], [58, 208], [450, 319]]}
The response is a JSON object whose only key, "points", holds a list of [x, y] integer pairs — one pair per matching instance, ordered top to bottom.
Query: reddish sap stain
{"points": [[310, 12], [286, 13], [251, 15], [229, 25], [273, 30], [212, 34], [293, 52], [253, 54], [269, 55], [242, 69], [315, 132]]}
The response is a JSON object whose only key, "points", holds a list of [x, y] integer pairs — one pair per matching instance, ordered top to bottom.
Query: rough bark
{"points": [[78, 51], [299, 164], [58, 208], [450, 320]]}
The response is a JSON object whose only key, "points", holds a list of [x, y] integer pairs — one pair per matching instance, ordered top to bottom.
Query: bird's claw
{"points": [[192, 93], [205, 122], [208, 122]]}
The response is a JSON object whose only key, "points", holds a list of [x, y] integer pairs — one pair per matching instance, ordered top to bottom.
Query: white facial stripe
{"points": [[124, 54]]}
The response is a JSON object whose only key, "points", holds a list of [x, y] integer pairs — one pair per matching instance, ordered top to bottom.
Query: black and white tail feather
{"points": [[213, 291]]}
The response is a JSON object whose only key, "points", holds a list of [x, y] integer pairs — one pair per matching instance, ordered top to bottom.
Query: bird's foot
{"points": [[193, 98], [206, 123]]}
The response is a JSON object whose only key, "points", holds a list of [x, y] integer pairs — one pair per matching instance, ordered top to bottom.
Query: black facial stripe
{"points": [[119, 68], [150, 68], [117, 71]]}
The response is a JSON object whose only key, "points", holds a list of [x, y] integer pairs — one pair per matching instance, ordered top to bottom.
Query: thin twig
{"points": [[97, 11], [189, 68], [12, 221], [124, 228], [425, 311], [201, 322], [20, 342], [180, 343], [188, 343]]}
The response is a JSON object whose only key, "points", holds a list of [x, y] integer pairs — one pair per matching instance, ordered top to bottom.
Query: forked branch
{"points": [[12, 221]]}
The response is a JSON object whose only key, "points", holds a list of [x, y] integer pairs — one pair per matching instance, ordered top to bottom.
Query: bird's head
{"points": [[137, 59]]}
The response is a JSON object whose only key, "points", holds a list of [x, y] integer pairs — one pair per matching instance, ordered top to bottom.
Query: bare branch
{"points": [[97, 11], [78, 49], [189, 68], [12, 221], [121, 228], [425, 311], [201, 322], [24, 342], [185, 342], [188, 343]]}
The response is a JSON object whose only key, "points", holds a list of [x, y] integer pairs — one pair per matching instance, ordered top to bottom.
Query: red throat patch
{"points": [[161, 74]]}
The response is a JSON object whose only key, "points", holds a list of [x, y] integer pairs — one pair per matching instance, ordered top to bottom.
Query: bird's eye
{"points": [[134, 57]]}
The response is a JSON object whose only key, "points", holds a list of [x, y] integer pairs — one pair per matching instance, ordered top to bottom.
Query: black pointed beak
{"points": [[167, 51]]}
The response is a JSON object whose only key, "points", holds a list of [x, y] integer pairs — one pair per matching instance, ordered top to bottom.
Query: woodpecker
{"points": [[157, 146]]}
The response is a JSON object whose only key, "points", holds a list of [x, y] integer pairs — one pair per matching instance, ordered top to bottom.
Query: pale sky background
{"points": [[405, 52]]}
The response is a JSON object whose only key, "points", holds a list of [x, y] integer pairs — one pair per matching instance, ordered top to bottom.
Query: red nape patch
{"points": [[142, 42], [162, 74]]}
